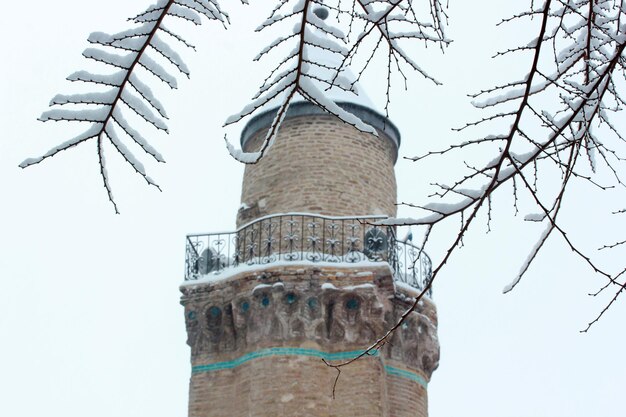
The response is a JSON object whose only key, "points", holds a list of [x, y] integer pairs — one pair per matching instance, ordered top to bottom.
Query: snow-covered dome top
{"points": [[328, 62], [322, 64]]}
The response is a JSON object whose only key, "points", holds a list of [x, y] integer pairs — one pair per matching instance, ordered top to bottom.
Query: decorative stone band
{"points": [[303, 108], [291, 351]]}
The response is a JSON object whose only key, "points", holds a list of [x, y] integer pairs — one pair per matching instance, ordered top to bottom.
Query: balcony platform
{"points": [[303, 239]]}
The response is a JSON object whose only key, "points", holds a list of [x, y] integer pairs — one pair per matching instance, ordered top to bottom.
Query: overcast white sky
{"points": [[90, 323]]}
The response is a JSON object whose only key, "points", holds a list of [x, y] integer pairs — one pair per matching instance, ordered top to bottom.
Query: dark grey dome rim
{"points": [[304, 108]]}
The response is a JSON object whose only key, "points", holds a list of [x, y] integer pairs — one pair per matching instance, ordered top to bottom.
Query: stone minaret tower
{"points": [[309, 276]]}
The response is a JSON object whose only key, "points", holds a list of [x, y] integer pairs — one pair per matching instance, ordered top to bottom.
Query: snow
{"points": [[204, 7], [298, 7], [213, 8], [185, 12], [152, 15], [269, 21], [323, 26], [140, 31], [415, 35], [100, 37], [324, 42], [131, 44], [272, 45], [164, 49], [322, 57], [120, 61], [411, 62], [157, 70], [279, 76], [114, 80], [276, 89], [146, 93], [510, 93], [319, 97], [87, 98], [139, 107], [87, 115], [121, 121], [93, 131], [126, 153], [591, 153], [240, 155], [254, 157], [525, 157], [505, 173], [105, 176], [473, 193], [447, 208], [306, 214], [535, 217], [407, 221], [531, 256], [257, 268], [260, 287], [332, 287], [406, 288], [410, 292]]}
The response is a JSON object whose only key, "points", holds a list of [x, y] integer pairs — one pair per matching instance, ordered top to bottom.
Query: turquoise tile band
{"points": [[279, 351], [289, 351], [406, 374]]}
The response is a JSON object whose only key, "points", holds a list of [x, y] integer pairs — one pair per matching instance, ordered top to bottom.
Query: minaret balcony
{"points": [[303, 238]]}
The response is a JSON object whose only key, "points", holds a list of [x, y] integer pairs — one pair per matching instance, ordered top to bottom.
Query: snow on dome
{"points": [[328, 62], [325, 85]]}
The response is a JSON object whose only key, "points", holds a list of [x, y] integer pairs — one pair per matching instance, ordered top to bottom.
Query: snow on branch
{"points": [[126, 52], [315, 63], [561, 123]]}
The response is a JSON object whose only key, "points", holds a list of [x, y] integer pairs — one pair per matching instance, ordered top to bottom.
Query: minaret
{"points": [[308, 275]]}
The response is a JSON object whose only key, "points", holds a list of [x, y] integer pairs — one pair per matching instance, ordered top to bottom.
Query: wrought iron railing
{"points": [[307, 237]]}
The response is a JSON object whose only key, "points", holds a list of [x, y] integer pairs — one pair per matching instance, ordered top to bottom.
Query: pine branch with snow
{"points": [[134, 56]]}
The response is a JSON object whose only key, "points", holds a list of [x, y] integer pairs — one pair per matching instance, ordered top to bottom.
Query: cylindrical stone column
{"points": [[319, 164]]}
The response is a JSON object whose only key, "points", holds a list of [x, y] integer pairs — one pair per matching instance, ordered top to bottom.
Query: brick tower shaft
{"points": [[306, 277]]}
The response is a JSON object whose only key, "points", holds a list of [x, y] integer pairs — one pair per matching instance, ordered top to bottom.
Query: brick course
{"points": [[318, 164]]}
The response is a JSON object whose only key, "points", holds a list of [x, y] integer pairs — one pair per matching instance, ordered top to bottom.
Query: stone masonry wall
{"points": [[318, 164], [258, 338]]}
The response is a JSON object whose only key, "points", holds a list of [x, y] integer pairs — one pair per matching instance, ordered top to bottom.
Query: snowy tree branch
{"points": [[129, 92]]}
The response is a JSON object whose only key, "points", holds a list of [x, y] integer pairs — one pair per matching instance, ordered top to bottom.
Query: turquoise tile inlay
{"points": [[292, 351], [406, 374]]}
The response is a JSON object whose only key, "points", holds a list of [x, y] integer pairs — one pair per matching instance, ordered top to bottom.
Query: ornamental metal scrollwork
{"points": [[308, 237], [291, 239], [353, 241], [268, 242], [332, 243], [250, 245], [193, 249], [313, 252]]}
